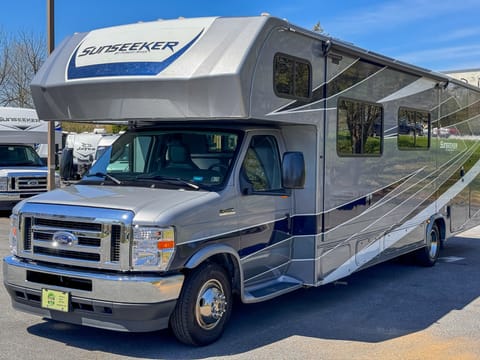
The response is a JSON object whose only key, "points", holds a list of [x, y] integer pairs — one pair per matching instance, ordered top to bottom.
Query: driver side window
{"points": [[261, 168]]}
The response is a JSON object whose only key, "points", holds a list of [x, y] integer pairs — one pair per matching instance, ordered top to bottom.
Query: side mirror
{"points": [[66, 164], [293, 170]]}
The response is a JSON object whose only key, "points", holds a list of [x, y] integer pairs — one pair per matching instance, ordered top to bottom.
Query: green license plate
{"points": [[55, 300]]}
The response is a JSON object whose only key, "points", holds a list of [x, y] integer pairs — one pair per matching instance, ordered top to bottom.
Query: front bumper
{"points": [[123, 302]]}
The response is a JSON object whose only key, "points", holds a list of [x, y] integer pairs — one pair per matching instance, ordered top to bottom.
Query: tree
{"points": [[318, 28], [21, 56]]}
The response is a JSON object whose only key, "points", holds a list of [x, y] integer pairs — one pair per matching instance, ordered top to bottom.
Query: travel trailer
{"points": [[104, 144], [79, 153], [260, 158], [22, 172]]}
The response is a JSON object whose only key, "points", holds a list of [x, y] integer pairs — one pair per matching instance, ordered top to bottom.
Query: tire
{"points": [[428, 255], [204, 306]]}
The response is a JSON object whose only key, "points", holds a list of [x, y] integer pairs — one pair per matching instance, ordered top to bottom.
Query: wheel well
{"points": [[440, 222], [442, 228], [229, 263]]}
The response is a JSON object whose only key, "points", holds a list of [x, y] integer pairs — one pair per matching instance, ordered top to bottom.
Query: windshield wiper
{"points": [[105, 175], [170, 180]]}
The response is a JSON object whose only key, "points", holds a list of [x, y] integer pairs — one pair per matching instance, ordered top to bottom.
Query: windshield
{"points": [[19, 155], [192, 159]]}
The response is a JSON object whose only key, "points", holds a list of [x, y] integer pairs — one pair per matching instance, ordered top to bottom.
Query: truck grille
{"points": [[28, 183], [96, 242]]}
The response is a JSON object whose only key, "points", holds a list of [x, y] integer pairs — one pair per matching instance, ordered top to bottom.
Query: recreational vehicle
{"points": [[79, 153], [260, 158], [22, 172]]}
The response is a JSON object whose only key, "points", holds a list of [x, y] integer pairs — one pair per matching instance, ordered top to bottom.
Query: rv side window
{"points": [[292, 77], [359, 128], [413, 129], [261, 169]]}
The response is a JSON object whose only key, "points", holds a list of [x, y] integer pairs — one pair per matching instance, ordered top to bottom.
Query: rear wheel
{"points": [[428, 255], [204, 306]]}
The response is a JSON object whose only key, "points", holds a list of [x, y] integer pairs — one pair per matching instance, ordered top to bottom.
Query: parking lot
{"points": [[392, 311]]}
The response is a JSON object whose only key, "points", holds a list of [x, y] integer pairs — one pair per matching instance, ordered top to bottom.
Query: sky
{"points": [[440, 35]]}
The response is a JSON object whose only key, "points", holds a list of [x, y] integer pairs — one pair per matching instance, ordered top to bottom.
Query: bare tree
{"points": [[318, 28], [20, 58], [4, 62]]}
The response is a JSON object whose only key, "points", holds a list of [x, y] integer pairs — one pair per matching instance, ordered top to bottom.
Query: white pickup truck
{"points": [[22, 174]]}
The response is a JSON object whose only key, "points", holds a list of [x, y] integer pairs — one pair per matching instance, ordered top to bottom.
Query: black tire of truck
{"points": [[428, 255], [204, 306]]}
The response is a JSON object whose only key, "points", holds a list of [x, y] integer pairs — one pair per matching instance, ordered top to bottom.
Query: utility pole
{"points": [[51, 124]]}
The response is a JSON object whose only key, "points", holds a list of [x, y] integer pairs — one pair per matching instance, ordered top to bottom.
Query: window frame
{"points": [[295, 61]]}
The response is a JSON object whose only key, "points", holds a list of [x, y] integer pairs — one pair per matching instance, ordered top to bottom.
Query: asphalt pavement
{"points": [[395, 310]]}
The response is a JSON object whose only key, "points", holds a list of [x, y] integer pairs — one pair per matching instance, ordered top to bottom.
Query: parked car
{"points": [[404, 127], [441, 132]]}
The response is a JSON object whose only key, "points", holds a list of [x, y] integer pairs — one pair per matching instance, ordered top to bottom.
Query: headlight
{"points": [[3, 184], [12, 237], [153, 247]]}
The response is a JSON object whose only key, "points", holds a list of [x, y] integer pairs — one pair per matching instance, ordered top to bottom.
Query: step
{"points": [[271, 289]]}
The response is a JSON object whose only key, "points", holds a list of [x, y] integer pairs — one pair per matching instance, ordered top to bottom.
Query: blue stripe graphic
{"points": [[138, 68]]}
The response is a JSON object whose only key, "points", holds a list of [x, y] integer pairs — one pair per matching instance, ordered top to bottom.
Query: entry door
{"points": [[263, 210]]}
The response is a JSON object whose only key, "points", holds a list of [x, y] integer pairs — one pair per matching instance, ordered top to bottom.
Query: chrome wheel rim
{"points": [[434, 244], [211, 304]]}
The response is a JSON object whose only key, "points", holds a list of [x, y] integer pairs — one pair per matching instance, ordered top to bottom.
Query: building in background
{"points": [[469, 76]]}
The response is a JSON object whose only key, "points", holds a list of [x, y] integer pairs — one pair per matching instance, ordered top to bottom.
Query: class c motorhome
{"points": [[260, 158], [22, 172]]}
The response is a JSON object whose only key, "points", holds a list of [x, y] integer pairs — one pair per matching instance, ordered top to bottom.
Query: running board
{"points": [[270, 289]]}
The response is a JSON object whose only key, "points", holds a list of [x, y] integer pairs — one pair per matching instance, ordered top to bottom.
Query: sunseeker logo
{"points": [[136, 47], [133, 50], [448, 146]]}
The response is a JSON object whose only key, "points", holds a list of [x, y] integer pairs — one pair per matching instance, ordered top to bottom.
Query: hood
{"points": [[23, 171], [147, 204]]}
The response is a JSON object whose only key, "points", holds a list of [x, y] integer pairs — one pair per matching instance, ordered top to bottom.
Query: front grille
{"points": [[28, 183], [71, 225], [116, 238], [95, 242], [78, 255]]}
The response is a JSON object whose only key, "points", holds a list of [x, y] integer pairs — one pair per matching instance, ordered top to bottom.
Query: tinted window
{"points": [[292, 77], [359, 128], [413, 129], [18, 155], [202, 157], [261, 166]]}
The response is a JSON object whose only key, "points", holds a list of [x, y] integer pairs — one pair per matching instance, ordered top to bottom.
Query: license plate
{"points": [[55, 300]]}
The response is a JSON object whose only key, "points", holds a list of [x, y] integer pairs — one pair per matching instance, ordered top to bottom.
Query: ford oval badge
{"points": [[64, 238]]}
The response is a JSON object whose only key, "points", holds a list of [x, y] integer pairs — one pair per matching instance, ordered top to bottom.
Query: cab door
{"points": [[263, 209]]}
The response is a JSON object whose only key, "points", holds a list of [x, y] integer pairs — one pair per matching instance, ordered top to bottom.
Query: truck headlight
{"points": [[3, 183], [12, 237], [153, 247]]}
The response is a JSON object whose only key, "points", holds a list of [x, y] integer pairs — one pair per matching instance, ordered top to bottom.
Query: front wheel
{"points": [[428, 255], [203, 307]]}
